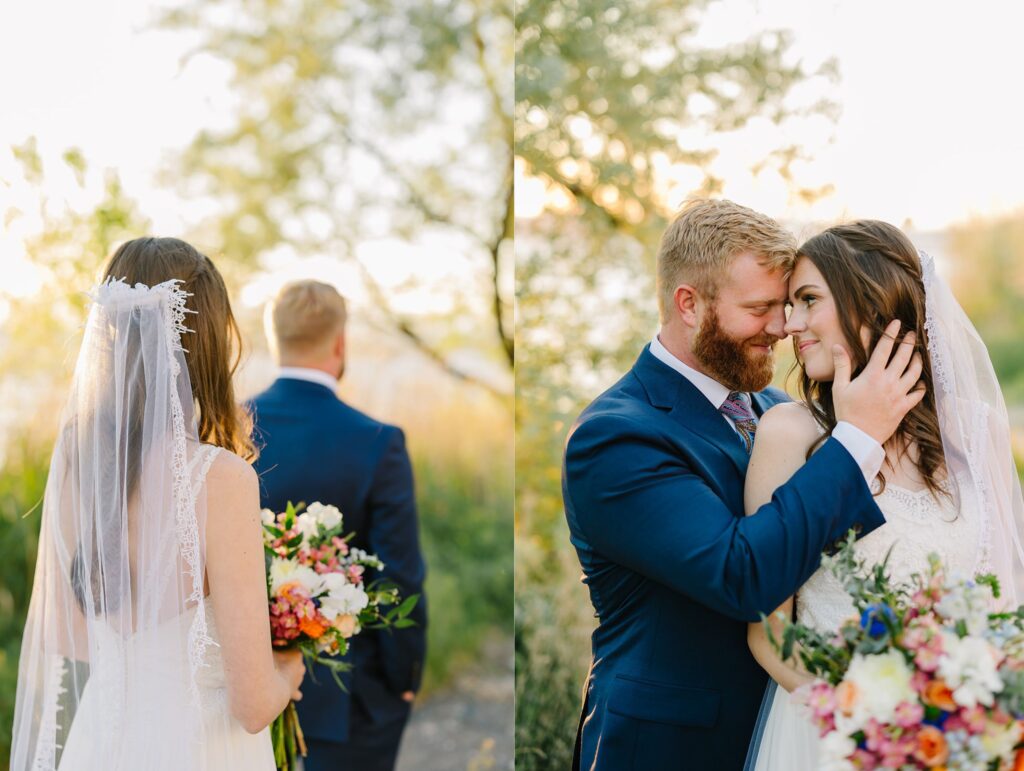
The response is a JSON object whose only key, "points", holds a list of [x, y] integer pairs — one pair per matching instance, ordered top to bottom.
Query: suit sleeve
{"points": [[636, 502], [394, 537]]}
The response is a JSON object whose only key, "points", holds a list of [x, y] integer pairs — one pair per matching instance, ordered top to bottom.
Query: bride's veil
{"points": [[975, 431], [115, 635]]}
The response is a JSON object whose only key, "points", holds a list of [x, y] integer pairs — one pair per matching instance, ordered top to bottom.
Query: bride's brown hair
{"points": [[874, 274], [214, 347]]}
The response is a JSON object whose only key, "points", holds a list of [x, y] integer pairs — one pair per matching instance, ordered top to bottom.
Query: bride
{"points": [[947, 484], [147, 644]]}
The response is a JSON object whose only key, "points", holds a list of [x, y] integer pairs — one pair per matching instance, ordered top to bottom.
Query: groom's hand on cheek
{"points": [[878, 399]]}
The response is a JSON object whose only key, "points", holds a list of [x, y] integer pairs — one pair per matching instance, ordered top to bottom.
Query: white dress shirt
{"points": [[310, 375], [866, 452]]}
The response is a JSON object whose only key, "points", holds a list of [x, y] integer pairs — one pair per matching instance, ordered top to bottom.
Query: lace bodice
{"points": [[916, 524]]}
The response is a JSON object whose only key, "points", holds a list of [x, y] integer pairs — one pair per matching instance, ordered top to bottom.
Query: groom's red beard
{"points": [[734, 363]]}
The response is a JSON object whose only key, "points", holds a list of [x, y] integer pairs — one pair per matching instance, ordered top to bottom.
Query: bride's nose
{"points": [[796, 322]]}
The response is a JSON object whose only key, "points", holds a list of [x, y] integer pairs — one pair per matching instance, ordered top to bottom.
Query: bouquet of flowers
{"points": [[319, 600], [927, 675]]}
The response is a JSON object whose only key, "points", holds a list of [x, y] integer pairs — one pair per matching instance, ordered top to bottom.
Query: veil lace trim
{"points": [[114, 292], [943, 373], [46, 750]]}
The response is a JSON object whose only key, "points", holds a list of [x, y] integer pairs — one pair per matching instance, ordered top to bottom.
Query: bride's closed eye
{"points": [[807, 299]]}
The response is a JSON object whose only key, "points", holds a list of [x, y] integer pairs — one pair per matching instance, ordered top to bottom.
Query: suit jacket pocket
{"points": [[662, 703]]}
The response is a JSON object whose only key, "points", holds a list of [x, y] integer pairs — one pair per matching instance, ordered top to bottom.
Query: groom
{"points": [[314, 447], [653, 490]]}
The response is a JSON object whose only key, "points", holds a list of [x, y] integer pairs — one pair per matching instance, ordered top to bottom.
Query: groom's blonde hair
{"points": [[703, 239], [305, 316]]}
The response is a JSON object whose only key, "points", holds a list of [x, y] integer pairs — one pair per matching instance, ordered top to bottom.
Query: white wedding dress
{"points": [[916, 525], [120, 667], [225, 745]]}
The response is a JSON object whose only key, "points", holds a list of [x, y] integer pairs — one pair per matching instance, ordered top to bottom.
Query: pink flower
{"points": [[921, 599], [914, 638], [927, 658], [919, 681], [821, 700], [908, 714], [1000, 716], [974, 719], [955, 723], [826, 724], [873, 733], [864, 759], [896, 760]]}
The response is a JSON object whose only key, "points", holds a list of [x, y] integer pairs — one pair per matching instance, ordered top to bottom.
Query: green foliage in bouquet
{"points": [[883, 609]]}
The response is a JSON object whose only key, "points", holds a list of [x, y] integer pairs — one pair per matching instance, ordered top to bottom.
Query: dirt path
{"points": [[468, 726]]}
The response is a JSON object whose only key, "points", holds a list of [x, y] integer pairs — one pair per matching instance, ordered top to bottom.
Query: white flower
{"points": [[328, 516], [268, 517], [306, 524], [358, 555], [284, 571], [332, 582], [345, 599], [967, 602], [968, 666], [883, 681], [999, 740], [836, 748]]}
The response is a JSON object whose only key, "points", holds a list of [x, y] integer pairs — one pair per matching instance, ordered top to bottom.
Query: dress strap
{"points": [[199, 466]]}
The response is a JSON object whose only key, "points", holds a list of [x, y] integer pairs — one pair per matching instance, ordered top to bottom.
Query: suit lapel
{"points": [[668, 390], [762, 403]]}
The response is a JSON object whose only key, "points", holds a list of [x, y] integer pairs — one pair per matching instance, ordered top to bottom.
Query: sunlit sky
{"points": [[100, 77], [930, 129]]}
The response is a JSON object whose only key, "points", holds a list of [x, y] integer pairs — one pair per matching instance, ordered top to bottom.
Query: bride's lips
{"points": [[806, 344]]}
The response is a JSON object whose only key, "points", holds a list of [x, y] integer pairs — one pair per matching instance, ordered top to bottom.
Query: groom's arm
{"points": [[640, 505], [394, 537]]}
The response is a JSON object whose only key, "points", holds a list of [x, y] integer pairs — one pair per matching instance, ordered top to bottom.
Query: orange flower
{"points": [[346, 624], [312, 627], [938, 694], [847, 695], [932, 749], [1018, 762]]}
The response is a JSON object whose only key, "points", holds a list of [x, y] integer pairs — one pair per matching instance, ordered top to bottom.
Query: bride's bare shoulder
{"points": [[789, 423], [231, 476]]}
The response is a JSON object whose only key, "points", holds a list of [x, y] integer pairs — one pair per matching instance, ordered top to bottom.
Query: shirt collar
{"points": [[309, 375], [714, 392]]}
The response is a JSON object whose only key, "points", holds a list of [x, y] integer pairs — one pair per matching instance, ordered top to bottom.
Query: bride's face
{"points": [[813, 321]]}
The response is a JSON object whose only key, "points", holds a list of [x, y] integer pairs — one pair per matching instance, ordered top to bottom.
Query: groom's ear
{"points": [[686, 301]]}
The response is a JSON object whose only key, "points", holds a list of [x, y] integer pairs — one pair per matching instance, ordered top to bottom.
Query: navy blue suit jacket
{"points": [[314, 447], [653, 487]]}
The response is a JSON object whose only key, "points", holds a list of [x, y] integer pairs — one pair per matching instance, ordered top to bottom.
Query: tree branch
{"points": [[407, 330]]}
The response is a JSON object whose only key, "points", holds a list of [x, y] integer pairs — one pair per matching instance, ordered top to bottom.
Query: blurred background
{"points": [[809, 112], [365, 143]]}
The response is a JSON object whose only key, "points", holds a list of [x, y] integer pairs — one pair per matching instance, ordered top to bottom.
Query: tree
{"points": [[356, 121], [70, 246]]}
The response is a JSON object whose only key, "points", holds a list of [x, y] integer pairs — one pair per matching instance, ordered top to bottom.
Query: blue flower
{"points": [[871, 619], [939, 721]]}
